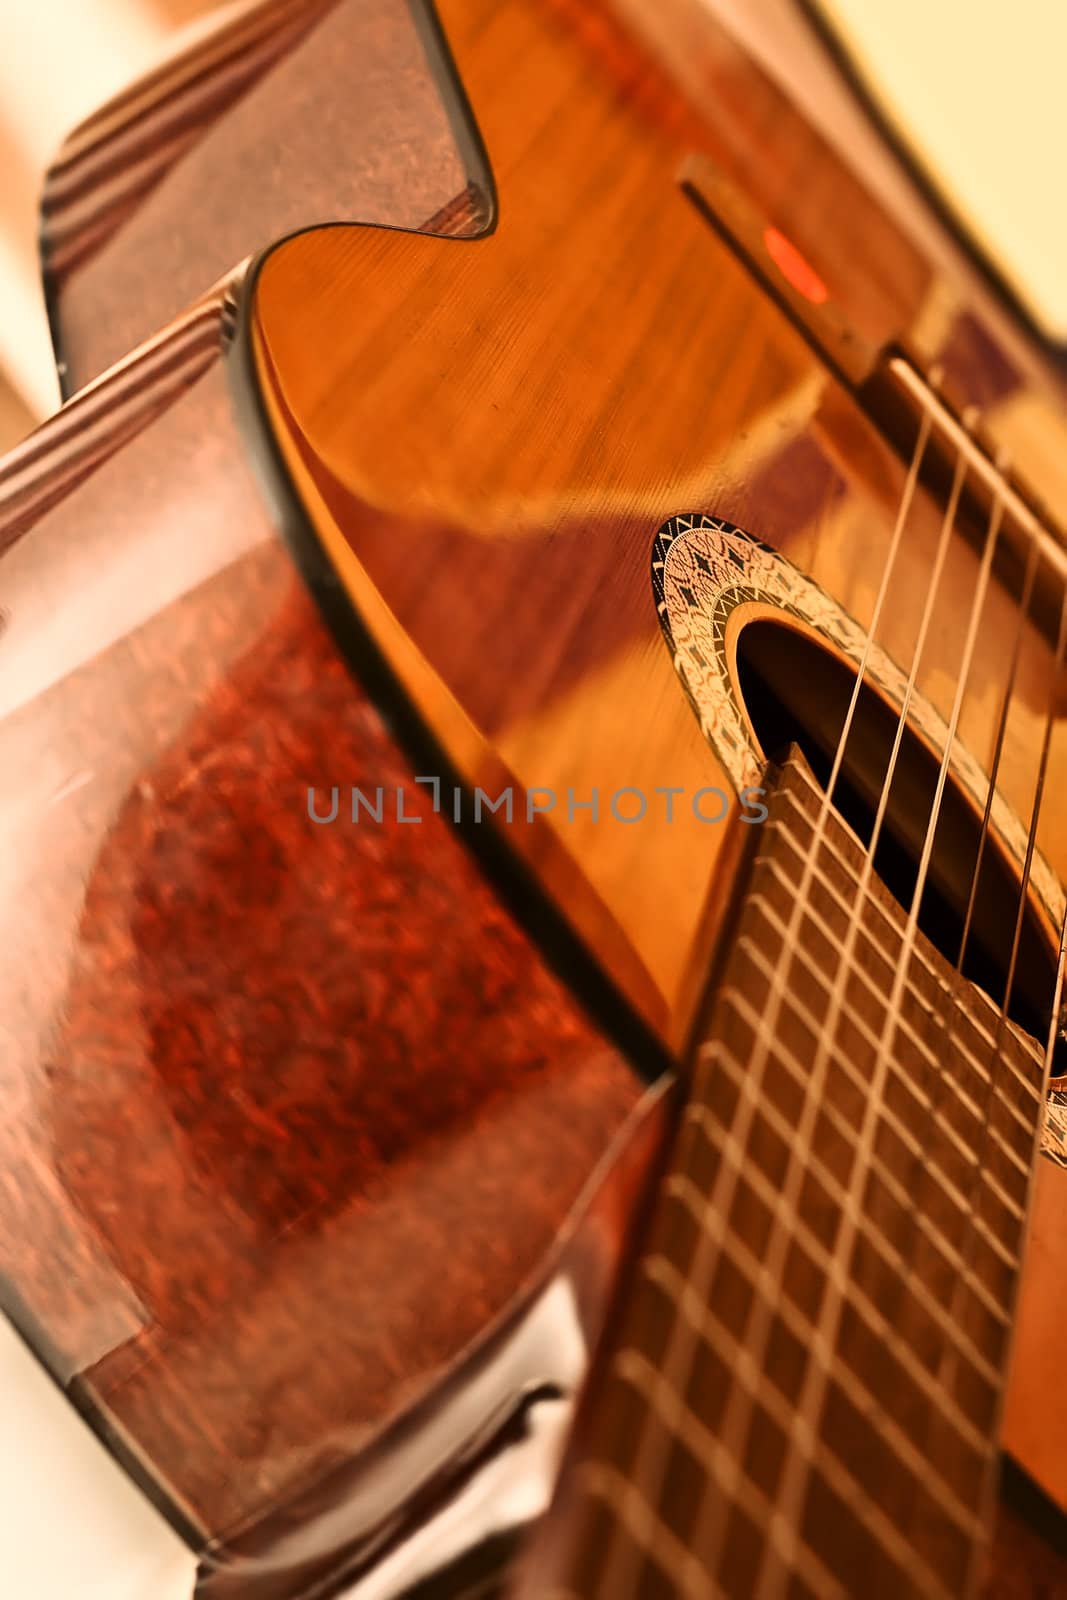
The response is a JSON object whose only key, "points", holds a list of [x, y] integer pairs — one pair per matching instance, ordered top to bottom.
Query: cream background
{"points": [[59, 61], [978, 87], [72, 1524]]}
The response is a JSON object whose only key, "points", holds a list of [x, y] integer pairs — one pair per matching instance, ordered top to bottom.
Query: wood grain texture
{"points": [[514, 417], [507, 421], [487, 434], [805, 1382]]}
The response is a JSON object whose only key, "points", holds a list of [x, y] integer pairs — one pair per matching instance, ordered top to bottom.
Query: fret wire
{"points": [[909, 490], [1053, 697], [779, 826], [867, 900], [911, 927], [750, 947], [945, 1021], [861, 1026], [987, 1034], [912, 1036], [841, 1055], [965, 1101], [898, 1127], [848, 1132], [892, 1181], [952, 1191], [900, 1194], [799, 1325], [679, 1351], [734, 1354], [847, 1380], [815, 1384], [813, 1392], [682, 1422], [794, 1440], [716, 1455], [647, 1457], [723, 1459], [796, 1473], [601, 1480], [794, 1484], [645, 1524]]}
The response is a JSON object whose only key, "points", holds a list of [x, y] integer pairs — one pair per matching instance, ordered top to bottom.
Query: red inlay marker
{"points": [[791, 264]]}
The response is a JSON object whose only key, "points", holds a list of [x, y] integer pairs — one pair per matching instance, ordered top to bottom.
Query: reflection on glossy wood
{"points": [[487, 435], [494, 439], [488, 446], [295, 1110]]}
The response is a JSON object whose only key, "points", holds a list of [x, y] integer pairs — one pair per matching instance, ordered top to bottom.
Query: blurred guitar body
{"points": [[557, 720]]}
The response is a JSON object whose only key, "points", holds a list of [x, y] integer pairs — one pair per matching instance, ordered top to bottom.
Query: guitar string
{"points": [[976, 608], [964, 674], [1055, 685], [998, 749], [945, 1015], [1003, 1023], [939, 1030], [938, 1039], [682, 1343], [742, 1401], [796, 1468], [797, 1471], [795, 1483], [614, 1543]]}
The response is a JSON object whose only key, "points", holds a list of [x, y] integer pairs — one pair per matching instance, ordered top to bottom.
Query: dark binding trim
{"points": [[525, 898], [533, 909], [1025, 1496]]}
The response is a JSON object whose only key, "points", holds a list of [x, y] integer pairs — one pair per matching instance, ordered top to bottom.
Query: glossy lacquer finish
{"points": [[490, 446], [488, 449], [293, 1110], [303, 1113]]}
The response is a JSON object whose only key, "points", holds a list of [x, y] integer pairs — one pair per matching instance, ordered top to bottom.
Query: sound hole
{"points": [[798, 692]]}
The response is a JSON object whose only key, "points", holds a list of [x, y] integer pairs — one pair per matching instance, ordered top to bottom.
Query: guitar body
{"points": [[560, 529]]}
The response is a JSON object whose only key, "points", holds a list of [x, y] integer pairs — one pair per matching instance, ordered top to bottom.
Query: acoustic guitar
{"points": [[532, 749]]}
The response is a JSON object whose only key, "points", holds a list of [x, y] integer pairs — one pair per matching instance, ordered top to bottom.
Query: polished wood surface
{"points": [[512, 444], [488, 448], [249, 1278]]}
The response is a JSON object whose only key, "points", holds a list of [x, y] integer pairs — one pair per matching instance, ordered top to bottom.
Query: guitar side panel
{"points": [[286, 114], [296, 1110]]}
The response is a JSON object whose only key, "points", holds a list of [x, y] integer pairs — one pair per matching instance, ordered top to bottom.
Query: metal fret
{"points": [[975, 1024], [967, 1105], [898, 1207]]}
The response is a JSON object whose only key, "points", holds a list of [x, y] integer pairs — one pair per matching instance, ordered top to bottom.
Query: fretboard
{"points": [[802, 1397]]}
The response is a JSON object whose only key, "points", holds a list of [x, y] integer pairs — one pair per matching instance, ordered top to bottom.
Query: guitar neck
{"points": [[803, 1393]]}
